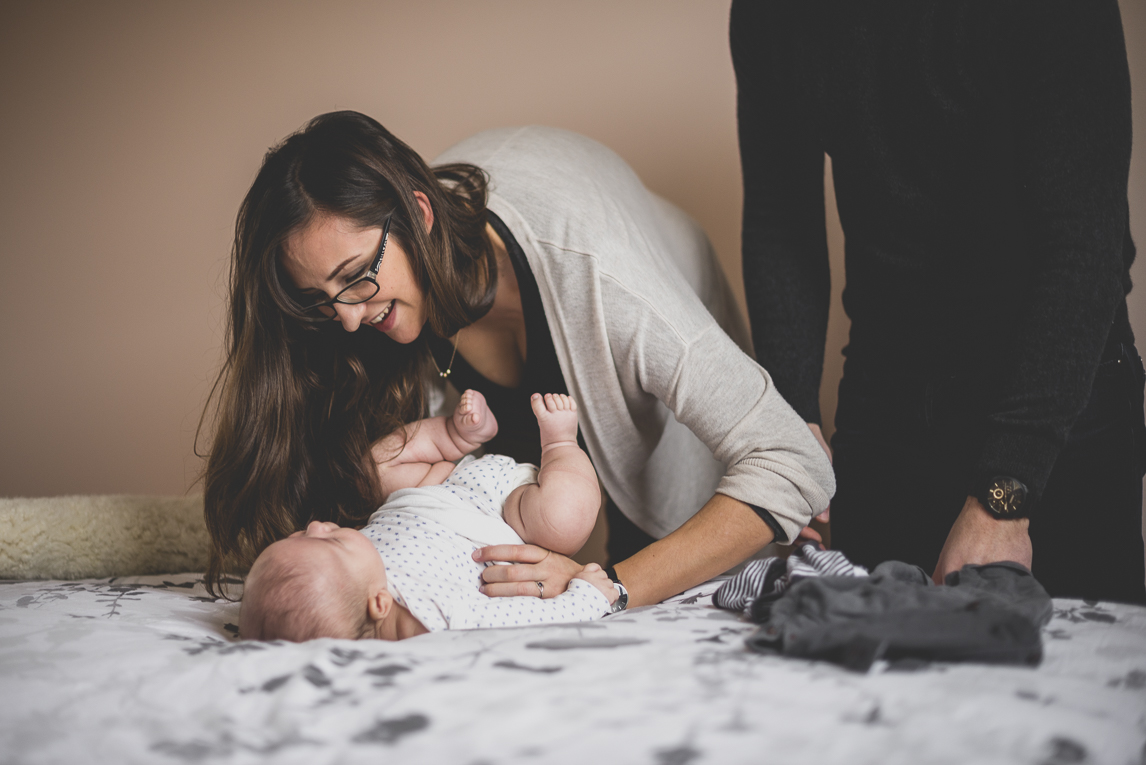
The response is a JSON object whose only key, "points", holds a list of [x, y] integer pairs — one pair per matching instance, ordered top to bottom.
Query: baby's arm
{"points": [[432, 445], [557, 512]]}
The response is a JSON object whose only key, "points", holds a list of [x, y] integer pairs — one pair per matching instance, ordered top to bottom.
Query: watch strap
{"points": [[622, 601]]}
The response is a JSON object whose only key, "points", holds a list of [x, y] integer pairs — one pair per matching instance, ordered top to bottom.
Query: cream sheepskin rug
{"points": [[100, 536]]}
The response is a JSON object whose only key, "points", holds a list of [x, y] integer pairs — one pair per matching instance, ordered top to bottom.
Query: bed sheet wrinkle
{"points": [[150, 670]]}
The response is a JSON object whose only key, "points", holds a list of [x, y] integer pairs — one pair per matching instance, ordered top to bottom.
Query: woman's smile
{"points": [[384, 321]]}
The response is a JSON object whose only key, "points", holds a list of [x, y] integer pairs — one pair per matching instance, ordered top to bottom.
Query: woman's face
{"points": [[331, 252]]}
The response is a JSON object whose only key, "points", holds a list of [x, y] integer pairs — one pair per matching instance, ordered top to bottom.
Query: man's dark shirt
{"points": [[980, 153]]}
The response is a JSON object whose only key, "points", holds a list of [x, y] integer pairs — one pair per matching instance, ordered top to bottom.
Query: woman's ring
{"points": [[541, 589]]}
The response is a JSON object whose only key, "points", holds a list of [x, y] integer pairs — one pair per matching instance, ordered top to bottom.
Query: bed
{"points": [[149, 669]]}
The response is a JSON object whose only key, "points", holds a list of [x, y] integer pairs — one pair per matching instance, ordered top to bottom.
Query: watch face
{"points": [[1005, 496], [622, 601]]}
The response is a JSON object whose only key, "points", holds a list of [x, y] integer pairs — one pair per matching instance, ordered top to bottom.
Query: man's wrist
{"points": [[990, 520]]}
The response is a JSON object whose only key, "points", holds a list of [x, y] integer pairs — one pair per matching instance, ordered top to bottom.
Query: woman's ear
{"points": [[427, 211]]}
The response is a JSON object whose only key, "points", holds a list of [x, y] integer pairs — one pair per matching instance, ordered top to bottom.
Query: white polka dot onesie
{"points": [[426, 537]]}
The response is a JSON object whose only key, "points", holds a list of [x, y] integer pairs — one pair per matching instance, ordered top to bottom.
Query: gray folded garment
{"points": [[987, 613]]}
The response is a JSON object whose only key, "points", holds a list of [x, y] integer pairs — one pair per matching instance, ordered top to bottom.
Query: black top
{"points": [[980, 151], [517, 432]]}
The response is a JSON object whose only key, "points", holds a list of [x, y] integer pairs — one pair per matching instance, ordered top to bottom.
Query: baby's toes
{"points": [[539, 404]]}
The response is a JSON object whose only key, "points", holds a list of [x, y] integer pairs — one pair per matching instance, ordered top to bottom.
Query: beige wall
{"points": [[130, 131]]}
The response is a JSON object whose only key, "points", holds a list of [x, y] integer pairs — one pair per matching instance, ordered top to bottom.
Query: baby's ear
{"points": [[379, 605]]}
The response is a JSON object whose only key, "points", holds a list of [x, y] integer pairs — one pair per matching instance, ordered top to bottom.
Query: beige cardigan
{"points": [[672, 409]]}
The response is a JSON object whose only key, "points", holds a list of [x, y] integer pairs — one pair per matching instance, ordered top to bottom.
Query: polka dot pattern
{"points": [[487, 482], [430, 569]]}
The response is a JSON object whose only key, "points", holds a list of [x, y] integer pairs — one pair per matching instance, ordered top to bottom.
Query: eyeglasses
{"points": [[358, 291]]}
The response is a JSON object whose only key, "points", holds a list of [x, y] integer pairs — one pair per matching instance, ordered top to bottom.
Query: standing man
{"points": [[991, 403]]}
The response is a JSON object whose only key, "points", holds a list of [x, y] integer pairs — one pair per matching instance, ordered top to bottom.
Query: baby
{"points": [[411, 569]]}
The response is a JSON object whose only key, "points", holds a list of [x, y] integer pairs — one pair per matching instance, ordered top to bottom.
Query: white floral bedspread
{"points": [[149, 670]]}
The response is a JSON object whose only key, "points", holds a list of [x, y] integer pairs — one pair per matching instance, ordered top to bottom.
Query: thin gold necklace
{"points": [[450, 367]]}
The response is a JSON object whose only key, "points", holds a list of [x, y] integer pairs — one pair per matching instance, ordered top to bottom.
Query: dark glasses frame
{"points": [[317, 312]]}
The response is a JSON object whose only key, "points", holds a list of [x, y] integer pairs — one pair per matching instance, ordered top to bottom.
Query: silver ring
{"points": [[541, 589]]}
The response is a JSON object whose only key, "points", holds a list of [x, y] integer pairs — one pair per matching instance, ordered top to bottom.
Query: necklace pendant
{"points": [[453, 356]]}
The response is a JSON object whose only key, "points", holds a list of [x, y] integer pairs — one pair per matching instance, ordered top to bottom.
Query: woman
{"points": [[527, 260]]}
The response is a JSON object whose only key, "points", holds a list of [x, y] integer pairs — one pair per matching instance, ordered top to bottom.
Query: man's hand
{"points": [[808, 532], [979, 537]]}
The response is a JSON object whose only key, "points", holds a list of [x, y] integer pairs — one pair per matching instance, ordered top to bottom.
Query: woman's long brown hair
{"points": [[296, 407]]}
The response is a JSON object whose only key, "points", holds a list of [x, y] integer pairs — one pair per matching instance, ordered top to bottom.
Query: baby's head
{"points": [[327, 581]]}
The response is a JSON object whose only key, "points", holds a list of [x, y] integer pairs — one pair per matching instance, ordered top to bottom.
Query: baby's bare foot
{"points": [[556, 416], [473, 419]]}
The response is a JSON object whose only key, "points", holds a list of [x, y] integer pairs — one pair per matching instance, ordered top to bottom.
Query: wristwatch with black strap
{"points": [[1004, 497], [622, 601]]}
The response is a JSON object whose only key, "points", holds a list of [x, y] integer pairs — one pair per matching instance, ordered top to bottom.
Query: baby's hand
{"points": [[596, 576]]}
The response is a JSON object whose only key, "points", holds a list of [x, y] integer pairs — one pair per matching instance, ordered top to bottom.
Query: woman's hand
{"points": [[808, 532], [530, 565]]}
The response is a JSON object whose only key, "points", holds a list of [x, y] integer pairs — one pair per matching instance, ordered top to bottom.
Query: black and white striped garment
{"points": [[772, 576]]}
